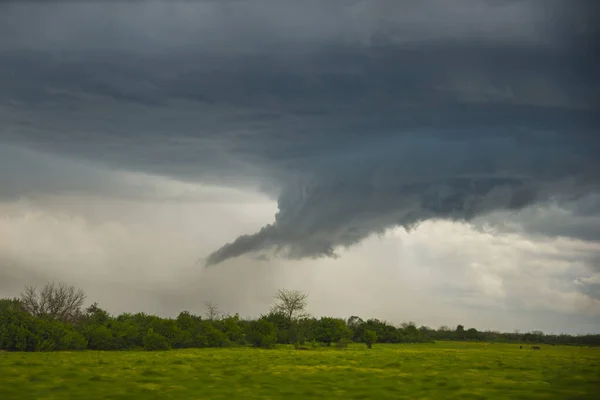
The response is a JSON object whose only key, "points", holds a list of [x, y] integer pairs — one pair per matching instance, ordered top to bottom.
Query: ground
{"points": [[410, 371]]}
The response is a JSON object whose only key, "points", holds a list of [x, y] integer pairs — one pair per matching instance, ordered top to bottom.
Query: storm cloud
{"points": [[357, 116]]}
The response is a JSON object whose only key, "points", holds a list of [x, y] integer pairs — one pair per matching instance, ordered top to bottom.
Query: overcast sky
{"points": [[428, 161]]}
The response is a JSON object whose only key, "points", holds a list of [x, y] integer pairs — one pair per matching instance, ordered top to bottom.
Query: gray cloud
{"points": [[144, 25], [357, 116], [373, 184], [578, 219], [132, 256]]}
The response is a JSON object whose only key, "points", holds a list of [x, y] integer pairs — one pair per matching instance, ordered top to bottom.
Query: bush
{"points": [[15, 330], [329, 330], [262, 333], [55, 335], [126, 335], [99, 337], [369, 337], [215, 338], [72, 340], [154, 341], [342, 343]]}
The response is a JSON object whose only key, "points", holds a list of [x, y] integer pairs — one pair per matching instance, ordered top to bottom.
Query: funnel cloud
{"points": [[405, 182]]}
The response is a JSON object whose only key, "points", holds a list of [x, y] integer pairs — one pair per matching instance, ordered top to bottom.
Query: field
{"points": [[413, 371]]}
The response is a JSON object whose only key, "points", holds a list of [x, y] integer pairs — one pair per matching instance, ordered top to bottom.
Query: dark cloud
{"points": [[358, 116], [579, 219]]}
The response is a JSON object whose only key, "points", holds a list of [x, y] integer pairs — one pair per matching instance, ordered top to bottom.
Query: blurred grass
{"points": [[448, 370]]}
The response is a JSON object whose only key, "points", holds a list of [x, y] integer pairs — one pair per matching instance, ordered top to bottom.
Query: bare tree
{"points": [[56, 301], [291, 303], [213, 311]]}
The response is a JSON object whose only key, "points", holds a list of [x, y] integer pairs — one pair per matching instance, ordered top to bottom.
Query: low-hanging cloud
{"points": [[357, 116], [404, 183]]}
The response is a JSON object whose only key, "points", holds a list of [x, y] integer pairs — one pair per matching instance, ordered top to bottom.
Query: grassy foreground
{"points": [[448, 370]]}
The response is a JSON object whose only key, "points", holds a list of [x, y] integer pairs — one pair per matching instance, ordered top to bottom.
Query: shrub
{"points": [[15, 330], [329, 330], [262, 333], [99, 337], [369, 337], [72, 340], [154, 341], [342, 343]]}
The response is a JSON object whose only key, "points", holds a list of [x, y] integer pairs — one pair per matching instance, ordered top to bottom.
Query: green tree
{"points": [[94, 315], [187, 321], [230, 326], [284, 326], [16, 327], [357, 327], [329, 330], [460, 332], [262, 333], [126, 334], [472, 334], [207, 335], [99, 337], [370, 338], [72, 340], [154, 341]]}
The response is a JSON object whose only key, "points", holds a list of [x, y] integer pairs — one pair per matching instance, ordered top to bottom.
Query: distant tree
{"points": [[55, 301], [290, 303], [10, 305], [213, 312], [95, 315], [47, 320], [187, 321], [354, 322], [356, 326], [16, 327], [285, 327], [305, 328], [232, 329], [329, 330], [460, 332], [261, 333], [386, 333], [411, 333], [126, 334], [472, 334], [99, 337], [370, 337], [534, 337], [154, 341], [343, 342]]}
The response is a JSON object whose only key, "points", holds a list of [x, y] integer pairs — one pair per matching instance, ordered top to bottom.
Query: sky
{"points": [[407, 161]]}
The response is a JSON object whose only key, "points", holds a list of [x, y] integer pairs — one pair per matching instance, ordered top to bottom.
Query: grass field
{"points": [[421, 371]]}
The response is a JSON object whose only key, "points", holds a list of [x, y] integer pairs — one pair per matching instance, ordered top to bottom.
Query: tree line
{"points": [[54, 318]]}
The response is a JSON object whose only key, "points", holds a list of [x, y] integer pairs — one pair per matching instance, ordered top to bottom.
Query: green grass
{"points": [[444, 370]]}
